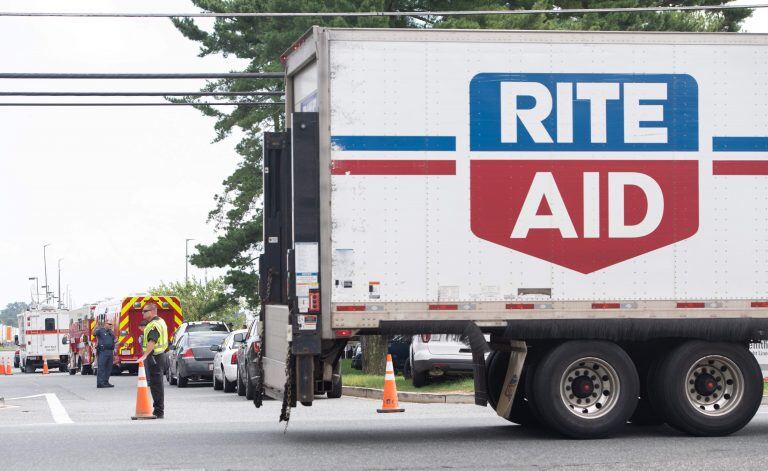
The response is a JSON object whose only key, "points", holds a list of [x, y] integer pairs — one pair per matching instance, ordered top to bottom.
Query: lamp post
{"points": [[186, 260], [45, 271], [37, 289], [60, 304]]}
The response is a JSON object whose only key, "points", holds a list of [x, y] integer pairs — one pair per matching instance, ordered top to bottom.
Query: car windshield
{"points": [[207, 327], [201, 340]]}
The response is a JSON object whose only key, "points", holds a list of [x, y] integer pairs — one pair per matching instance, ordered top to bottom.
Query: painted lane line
{"points": [[58, 412]]}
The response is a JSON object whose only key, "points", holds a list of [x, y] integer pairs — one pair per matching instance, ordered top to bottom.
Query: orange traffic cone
{"points": [[45, 365], [10, 367], [5, 370], [389, 399], [143, 401]]}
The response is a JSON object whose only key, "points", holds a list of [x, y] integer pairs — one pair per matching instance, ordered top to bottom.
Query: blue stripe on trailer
{"points": [[740, 144]]}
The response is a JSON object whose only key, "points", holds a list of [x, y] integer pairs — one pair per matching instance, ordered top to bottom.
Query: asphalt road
{"points": [[85, 428]]}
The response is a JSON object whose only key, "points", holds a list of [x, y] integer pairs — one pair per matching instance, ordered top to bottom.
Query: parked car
{"points": [[199, 326], [398, 346], [437, 355], [191, 359], [357, 359], [225, 361], [246, 361]]}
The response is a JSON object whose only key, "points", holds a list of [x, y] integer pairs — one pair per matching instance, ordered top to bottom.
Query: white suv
{"points": [[437, 355]]}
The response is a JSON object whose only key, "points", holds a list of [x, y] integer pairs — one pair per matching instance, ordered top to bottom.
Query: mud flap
{"points": [[515, 368]]}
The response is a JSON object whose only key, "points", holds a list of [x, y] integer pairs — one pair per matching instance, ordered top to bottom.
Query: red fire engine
{"points": [[125, 314], [80, 338]]}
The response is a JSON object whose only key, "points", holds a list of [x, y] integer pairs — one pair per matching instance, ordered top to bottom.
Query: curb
{"points": [[424, 398], [429, 398]]}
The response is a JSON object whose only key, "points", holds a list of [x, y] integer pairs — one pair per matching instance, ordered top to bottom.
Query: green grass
{"points": [[459, 384], [765, 388]]}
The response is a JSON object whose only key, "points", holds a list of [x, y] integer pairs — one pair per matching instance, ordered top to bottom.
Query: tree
{"points": [[236, 212], [202, 301], [8, 315]]}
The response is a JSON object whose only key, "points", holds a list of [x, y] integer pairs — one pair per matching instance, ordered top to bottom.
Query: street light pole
{"points": [[186, 260], [45, 271], [37, 288], [60, 303]]}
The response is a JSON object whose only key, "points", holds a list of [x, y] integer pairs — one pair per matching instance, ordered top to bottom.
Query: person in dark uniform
{"points": [[105, 345], [155, 345]]}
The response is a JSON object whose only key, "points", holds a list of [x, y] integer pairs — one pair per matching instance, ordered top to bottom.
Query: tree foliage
{"points": [[236, 212], [202, 301], [8, 314]]}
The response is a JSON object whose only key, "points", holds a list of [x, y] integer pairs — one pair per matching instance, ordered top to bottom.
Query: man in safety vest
{"points": [[155, 344]]}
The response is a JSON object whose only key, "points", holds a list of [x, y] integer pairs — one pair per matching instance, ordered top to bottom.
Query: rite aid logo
{"points": [[587, 211]]}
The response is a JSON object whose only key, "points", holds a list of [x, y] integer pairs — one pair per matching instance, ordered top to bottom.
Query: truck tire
{"points": [[29, 367], [63, 369], [496, 371], [240, 385], [709, 388], [585, 389]]}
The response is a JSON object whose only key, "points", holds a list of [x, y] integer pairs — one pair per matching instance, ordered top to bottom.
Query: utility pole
{"points": [[186, 260], [45, 271], [37, 289], [59, 289]]}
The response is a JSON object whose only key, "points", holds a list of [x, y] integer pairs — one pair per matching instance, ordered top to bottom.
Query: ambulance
{"points": [[43, 336]]}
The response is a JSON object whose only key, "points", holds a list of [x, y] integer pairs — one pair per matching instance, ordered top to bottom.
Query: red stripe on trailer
{"points": [[393, 167], [740, 167], [759, 304], [690, 305], [520, 306], [606, 306], [443, 307], [350, 308], [40, 332]]}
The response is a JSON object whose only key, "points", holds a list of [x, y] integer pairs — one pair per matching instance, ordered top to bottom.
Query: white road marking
{"points": [[58, 412]]}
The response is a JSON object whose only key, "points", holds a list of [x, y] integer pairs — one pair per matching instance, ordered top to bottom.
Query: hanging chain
{"points": [[258, 396]]}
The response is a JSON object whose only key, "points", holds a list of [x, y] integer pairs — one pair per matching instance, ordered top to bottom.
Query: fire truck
{"points": [[125, 314], [43, 334], [80, 338]]}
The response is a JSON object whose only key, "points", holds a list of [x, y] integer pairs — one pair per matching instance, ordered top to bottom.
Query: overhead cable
{"points": [[556, 11], [224, 75], [142, 94], [222, 103]]}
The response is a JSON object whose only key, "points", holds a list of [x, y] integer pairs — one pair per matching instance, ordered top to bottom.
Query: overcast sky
{"points": [[115, 191]]}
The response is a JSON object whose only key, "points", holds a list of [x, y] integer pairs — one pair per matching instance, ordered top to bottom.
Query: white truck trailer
{"points": [[596, 202], [43, 335]]}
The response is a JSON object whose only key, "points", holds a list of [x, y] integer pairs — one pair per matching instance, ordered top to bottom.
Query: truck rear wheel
{"points": [[29, 367], [585, 389], [709, 389]]}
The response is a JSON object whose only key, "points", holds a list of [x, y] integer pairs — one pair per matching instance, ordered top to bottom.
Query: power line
{"points": [[563, 11], [226, 75], [143, 94], [223, 103]]}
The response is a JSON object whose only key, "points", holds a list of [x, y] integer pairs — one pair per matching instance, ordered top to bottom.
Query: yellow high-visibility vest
{"points": [[162, 341]]}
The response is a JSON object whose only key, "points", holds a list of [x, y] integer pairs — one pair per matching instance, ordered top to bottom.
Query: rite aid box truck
{"points": [[596, 202]]}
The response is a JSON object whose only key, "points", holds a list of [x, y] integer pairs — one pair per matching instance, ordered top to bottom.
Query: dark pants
{"points": [[105, 360], [155, 366]]}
